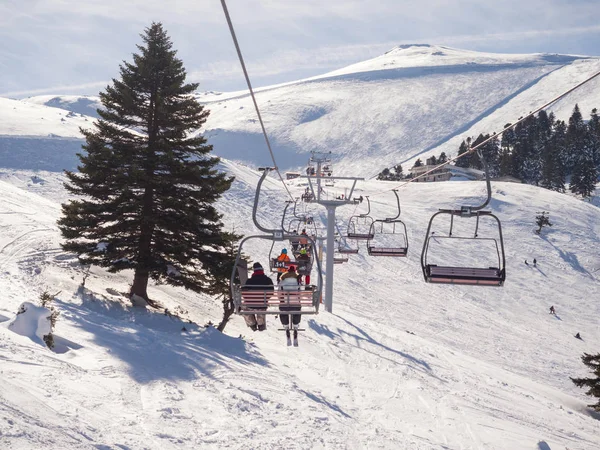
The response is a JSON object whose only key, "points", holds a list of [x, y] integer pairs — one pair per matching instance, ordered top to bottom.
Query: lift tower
{"points": [[316, 195]]}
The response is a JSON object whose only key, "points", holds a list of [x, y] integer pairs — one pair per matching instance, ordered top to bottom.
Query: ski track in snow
{"points": [[398, 365], [485, 368]]}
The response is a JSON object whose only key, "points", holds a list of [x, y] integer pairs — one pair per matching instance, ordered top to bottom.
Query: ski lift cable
{"points": [[262, 125], [493, 136]]}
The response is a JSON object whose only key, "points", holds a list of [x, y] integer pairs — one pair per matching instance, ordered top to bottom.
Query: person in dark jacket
{"points": [[295, 242], [304, 258], [258, 282]]}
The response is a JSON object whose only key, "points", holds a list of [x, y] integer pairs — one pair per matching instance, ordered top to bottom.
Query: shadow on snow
{"points": [[363, 336], [155, 346]]}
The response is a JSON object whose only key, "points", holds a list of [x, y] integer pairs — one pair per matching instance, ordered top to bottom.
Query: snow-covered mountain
{"points": [[413, 101], [79, 104], [400, 364]]}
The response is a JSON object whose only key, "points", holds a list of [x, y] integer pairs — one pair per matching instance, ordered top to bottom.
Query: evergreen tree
{"points": [[541, 136], [594, 136], [576, 137], [506, 146], [491, 153], [582, 155], [525, 157], [442, 158], [465, 160], [474, 160], [418, 163], [553, 171], [384, 175], [398, 175], [585, 175], [147, 181], [593, 362]]}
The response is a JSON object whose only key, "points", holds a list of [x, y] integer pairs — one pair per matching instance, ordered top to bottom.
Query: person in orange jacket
{"points": [[284, 258]]}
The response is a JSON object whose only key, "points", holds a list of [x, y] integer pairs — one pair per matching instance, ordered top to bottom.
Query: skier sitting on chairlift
{"points": [[303, 240], [295, 242], [304, 257], [285, 259], [257, 282], [289, 283]]}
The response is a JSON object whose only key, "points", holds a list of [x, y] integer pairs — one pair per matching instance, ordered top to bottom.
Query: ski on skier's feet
{"points": [[295, 338], [289, 339]]}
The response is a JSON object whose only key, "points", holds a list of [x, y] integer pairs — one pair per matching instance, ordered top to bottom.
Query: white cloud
{"points": [[50, 43]]}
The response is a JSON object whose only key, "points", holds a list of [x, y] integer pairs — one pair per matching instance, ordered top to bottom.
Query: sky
{"points": [[75, 47]]}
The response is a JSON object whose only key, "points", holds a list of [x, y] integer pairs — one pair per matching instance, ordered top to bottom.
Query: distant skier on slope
{"points": [[552, 311], [578, 336]]}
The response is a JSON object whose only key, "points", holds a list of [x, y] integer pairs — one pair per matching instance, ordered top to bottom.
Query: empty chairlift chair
{"points": [[359, 227], [389, 236], [343, 247], [489, 247]]}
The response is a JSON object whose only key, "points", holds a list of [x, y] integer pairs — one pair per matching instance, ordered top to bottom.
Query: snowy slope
{"points": [[411, 102], [80, 104], [394, 108], [21, 118], [485, 367]]}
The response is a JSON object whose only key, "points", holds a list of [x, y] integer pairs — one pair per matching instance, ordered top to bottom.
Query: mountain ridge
{"points": [[411, 102]]}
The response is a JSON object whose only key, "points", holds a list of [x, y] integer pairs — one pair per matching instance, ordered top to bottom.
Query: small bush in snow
{"points": [[542, 220], [46, 301]]}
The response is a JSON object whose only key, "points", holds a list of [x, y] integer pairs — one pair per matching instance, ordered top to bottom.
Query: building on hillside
{"points": [[444, 173], [437, 174], [291, 175]]}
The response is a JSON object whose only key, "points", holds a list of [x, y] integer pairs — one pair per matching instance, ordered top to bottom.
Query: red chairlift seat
{"points": [[491, 276], [257, 301]]}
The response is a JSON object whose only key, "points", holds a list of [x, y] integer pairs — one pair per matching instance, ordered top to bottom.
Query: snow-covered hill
{"points": [[413, 101], [80, 104], [399, 364]]}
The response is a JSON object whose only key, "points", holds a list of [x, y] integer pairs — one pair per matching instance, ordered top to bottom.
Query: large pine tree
{"points": [[594, 132], [576, 139], [582, 156], [553, 170], [146, 182], [593, 362]]}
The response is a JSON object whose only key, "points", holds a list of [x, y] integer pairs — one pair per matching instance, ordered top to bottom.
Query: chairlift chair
{"points": [[359, 226], [394, 232], [345, 249], [339, 258], [450, 274], [269, 299]]}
